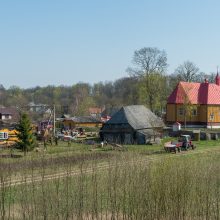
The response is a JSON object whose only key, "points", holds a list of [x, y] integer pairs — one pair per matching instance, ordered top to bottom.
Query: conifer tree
{"points": [[25, 135]]}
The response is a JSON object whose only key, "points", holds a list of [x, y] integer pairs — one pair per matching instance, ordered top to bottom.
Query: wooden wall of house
{"points": [[215, 110], [202, 111], [171, 113], [201, 115], [178, 116], [190, 117], [72, 124], [118, 133], [119, 138]]}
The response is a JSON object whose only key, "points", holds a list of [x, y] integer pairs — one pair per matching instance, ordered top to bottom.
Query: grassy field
{"points": [[66, 149], [75, 153], [138, 182]]}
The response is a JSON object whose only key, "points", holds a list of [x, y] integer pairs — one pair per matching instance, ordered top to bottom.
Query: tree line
{"points": [[147, 83]]}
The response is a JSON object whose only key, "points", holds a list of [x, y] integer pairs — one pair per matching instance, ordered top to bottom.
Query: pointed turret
{"points": [[217, 79]]}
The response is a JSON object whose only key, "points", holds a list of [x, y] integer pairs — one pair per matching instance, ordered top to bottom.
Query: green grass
{"points": [[207, 144], [79, 148], [75, 152], [138, 182], [168, 188]]}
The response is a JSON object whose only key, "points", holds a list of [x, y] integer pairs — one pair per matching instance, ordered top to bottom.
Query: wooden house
{"points": [[195, 104], [95, 112], [9, 114], [80, 121], [131, 125]]}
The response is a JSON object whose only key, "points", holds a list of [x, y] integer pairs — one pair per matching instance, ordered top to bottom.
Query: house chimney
{"points": [[217, 79]]}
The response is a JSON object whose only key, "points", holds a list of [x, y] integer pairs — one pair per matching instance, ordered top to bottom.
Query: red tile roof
{"points": [[195, 93]]}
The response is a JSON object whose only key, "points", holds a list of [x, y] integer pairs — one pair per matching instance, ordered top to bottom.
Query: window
{"points": [[181, 111], [194, 112], [7, 116], [211, 116]]}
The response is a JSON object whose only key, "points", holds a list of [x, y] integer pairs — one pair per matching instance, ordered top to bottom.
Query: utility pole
{"points": [[54, 120]]}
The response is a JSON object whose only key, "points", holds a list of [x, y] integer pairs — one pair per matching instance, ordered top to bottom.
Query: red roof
{"points": [[195, 93]]}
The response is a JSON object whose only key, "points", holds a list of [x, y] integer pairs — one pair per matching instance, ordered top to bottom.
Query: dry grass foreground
{"points": [[183, 186]]}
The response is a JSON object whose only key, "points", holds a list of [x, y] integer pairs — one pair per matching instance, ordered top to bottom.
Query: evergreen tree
{"points": [[25, 135]]}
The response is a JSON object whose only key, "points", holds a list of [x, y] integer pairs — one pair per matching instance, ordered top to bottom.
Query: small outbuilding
{"points": [[133, 124]]}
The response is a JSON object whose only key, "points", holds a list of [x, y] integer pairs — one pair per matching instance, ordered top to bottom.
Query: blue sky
{"points": [[58, 42]]}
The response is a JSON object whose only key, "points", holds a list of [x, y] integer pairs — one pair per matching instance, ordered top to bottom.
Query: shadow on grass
{"points": [[10, 156]]}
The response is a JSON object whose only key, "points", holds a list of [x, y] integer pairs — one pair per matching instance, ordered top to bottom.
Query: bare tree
{"points": [[148, 60], [149, 65], [187, 71], [201, 77], [211, 77]]}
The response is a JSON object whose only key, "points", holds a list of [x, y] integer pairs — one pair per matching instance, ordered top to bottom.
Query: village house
{"points": [[195, 104], [38, 108], [95, 112], [108, 113], [8, 114], [79, 121], [133, 124]]}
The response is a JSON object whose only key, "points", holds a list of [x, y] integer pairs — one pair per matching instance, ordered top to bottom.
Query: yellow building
{"points": [[197, 104], [81, 121]]}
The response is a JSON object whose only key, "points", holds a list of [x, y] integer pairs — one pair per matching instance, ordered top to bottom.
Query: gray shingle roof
{"points": [[7, 111], [138, 116]]}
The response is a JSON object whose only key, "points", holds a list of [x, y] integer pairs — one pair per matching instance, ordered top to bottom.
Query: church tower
{"points": [[217, 79]]}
